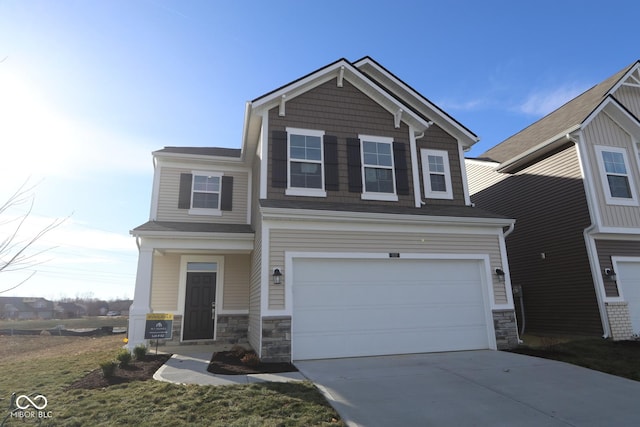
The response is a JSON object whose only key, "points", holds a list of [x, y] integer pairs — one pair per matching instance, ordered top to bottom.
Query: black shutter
{"points": [[279, 159], [354, 164], [402, 173], [331, 176], [226, 193], [184, 194]]}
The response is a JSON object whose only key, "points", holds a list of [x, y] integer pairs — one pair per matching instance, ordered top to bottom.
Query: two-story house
{"points": [[571, 180], [342, 227]]}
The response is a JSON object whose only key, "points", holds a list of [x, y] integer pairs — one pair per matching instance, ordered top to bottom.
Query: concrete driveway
{"points": [[472, 388]]}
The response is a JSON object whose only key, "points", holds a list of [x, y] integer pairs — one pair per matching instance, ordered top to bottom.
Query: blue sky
{"points": [[89, 88]]}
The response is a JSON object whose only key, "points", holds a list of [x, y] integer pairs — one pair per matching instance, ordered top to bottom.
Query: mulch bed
{"points": [[230, 363], [138, 370]]}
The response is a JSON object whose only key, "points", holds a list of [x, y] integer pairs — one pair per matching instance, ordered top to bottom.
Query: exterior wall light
{"points": [[500, 273], [610, 274], [277, 276]]}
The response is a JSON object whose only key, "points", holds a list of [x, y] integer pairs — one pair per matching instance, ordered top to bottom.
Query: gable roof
{"points": [[372, 79], [418, 102], [556, 124]]}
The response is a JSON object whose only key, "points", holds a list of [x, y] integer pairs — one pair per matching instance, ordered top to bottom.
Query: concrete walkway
{"points": [[188, 365], [473, 388]]}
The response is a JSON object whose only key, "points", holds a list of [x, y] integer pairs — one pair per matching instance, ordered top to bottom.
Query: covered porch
{"points": [[199, 273]]}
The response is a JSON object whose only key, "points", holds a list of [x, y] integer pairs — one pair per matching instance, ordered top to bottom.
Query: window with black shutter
{"points": [[205, 193]]}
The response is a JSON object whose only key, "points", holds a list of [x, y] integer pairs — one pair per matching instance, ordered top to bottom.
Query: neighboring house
{"points": [[571, 180], [342, 227], [20, 308], [69, 310]]}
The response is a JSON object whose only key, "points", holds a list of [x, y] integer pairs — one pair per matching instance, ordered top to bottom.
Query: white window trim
{"points": [[426, 181], [301, 191], [372, 195], [610, 200], [202, 211]]}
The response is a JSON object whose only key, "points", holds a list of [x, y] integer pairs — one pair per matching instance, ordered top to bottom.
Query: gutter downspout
{"points": [[590, 244], [519, 331]]}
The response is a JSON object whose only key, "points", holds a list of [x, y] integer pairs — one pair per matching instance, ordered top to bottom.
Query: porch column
{"points": [[141, 298]]}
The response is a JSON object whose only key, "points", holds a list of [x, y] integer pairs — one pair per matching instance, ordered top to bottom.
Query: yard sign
{"points": [[158, 326]]}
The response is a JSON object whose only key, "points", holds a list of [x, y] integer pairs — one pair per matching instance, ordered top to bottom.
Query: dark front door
{"points": [[199, 306]]}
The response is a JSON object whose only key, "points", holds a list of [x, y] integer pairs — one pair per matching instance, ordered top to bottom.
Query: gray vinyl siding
{"points": [[630, 96], [345, 112], [604, 131], [482, 175], [168, 198], [548, 201], [302, 240], [610, 248], [236, 282], [165, 283]]}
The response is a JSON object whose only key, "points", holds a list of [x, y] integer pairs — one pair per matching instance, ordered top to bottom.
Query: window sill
{"points": [[309, 192], [439, 195], [387, 197], [620, 201], [209, 212]]}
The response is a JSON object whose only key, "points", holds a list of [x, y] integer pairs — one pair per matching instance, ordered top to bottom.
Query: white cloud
{"points": [[543, 102], [454, 105]]}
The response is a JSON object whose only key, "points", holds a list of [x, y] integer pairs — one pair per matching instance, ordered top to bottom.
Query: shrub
{"points": [[140, 351], [124, 357], [250, 359], [108, 368]]}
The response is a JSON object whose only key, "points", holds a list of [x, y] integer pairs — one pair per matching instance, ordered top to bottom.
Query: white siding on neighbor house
{"points": [[629, 97], [604, 131], [482, 175], [168, 197], [372, 242], [236, 282], [165, 283]]}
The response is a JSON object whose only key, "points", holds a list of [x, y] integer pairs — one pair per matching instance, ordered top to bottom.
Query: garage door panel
{"points": [[629, 282], [348, 307]]}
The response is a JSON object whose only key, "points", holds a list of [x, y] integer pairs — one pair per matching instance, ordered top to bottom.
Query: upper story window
{"points": [[306, 162], [378, 173], [436, 174], [616, 177], [205, 193]]}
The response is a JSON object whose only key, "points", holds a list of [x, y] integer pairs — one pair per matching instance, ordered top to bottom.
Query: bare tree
{"points": [[16, 252]]}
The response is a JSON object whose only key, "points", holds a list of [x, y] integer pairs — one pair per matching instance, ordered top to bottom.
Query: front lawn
{"points": [[621, 358], [48, 365]]}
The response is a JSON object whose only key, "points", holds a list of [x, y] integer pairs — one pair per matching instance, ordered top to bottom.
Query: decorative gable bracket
{"points": [[397, 117]]}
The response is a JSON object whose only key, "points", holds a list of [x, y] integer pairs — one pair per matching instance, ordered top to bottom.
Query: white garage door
{"points": [[629, 282], [357, 307]]}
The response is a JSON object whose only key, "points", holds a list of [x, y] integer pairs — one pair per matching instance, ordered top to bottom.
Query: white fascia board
{"points": [[356, 78], [624, 78], [432, 111], [538, 150], [176, 157], [481, 162], [201, 163], [286, 214], [209, 244]]}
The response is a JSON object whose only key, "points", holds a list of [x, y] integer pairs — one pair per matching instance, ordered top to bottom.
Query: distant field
{"points": [[85, 322]]}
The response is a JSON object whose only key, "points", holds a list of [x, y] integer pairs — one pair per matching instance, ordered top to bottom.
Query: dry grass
{"points": [[49, 364]]}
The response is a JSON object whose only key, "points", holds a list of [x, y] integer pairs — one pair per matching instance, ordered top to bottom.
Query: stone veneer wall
{"points": [[619, 320], [504, 323], [232, 328], [276, 339]]}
